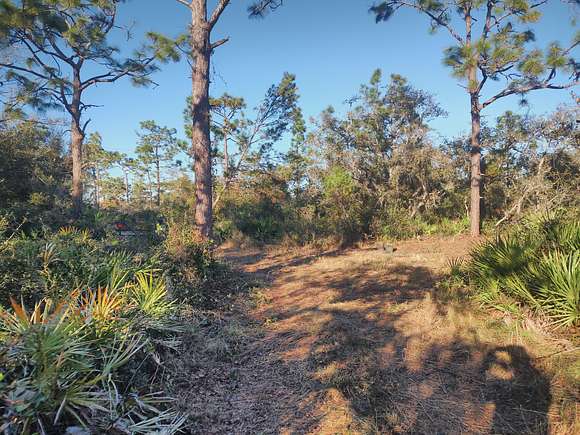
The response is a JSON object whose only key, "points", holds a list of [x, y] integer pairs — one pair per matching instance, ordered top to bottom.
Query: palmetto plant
{"points": [[71, 231], [564, 236], [501, 257], [536, 264], [114, 272], [555, 279], [149, 293], [102, 309], [65, 363], [50, 369], [57, 372], [125, 414]]}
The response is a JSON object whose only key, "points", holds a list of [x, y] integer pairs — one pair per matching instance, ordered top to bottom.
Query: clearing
{"points": [[357, 342]]}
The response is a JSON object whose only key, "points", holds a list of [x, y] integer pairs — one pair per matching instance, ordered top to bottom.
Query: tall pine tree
{"points": [[58, 42], [491, 42], [200, 51]]}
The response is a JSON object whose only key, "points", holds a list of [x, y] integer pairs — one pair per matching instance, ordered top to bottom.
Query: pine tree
{"points": [[59, 41], [491, 42], [200, 51], [252, 138], [157, 147], [97, 162]]}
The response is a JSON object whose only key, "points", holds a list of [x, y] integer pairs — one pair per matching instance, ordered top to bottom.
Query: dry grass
{"points": [[357, 342]]}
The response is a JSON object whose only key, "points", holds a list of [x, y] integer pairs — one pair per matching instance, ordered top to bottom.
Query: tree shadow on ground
{"points": [[378, 339], [363, 347]]}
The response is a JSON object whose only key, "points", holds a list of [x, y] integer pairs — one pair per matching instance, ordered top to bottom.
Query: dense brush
{"points": [[536, 264]]}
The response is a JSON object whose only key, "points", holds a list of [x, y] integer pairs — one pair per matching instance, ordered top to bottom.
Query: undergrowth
{"points": [[533, 266], [87, 330]]}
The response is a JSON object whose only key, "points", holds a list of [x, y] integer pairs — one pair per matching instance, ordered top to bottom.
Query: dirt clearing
{"points": [[357, 342]]}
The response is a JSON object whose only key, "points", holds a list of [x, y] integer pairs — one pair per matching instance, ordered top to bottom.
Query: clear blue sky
{"points": [[331, 45]]}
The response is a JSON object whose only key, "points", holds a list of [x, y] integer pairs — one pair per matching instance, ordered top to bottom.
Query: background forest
{"points": [[377, 173]]}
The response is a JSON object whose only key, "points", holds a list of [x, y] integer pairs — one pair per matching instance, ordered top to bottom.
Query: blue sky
{"points": [[331, 45]]}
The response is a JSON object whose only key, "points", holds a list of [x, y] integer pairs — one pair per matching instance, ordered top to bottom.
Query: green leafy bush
{"points": [[344, 207], [259, 217], [398, 224], [536, 264], [49, 265], [192, 270], [150, 295], [98, 316], [62, 364]]}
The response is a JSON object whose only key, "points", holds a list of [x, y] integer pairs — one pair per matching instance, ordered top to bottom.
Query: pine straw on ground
{"points": [[357, 341]]}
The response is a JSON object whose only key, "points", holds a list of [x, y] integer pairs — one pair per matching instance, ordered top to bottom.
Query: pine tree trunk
{"points": [[200, 132], [76, 147], [475, 152], [226, 156], [475, 160], [158, 175], [97, 187], [126, 187], [150, 188]]}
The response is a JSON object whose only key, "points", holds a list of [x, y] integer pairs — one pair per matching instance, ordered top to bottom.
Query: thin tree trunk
{"points": [[200, 133], [76, 146], [475, 152], [226, 156], [475, 158], [158, 175], [97, 186], [126, 186], [150, 188]]}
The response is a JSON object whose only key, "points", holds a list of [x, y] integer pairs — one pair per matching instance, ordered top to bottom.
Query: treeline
{"points": [[54, 51], [374, 169], [378, 171]]}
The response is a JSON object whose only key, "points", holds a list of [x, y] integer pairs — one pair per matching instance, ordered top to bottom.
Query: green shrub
{"points": [[343, 207], [258, 217], [398, 224], [453, 227], [536, 264], [48, 265], [36, 266], [194, 275], [555, 279], [150, 295], [99, 315], [62, 368]]}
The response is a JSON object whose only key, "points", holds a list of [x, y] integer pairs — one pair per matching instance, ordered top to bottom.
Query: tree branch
{"points": [[185, 3], [260, 8], [516, 12], [488, 15], [215, 16], [435, 18], [216, 44], [59, 53], [28, 71], [111, 77], [527, 88], [84, 127]]}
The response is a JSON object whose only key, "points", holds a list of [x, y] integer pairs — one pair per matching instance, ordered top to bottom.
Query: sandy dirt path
{"points": [[356, 342]]}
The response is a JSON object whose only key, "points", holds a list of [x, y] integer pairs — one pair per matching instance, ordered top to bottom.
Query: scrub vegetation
{"points": [[354, 273]]}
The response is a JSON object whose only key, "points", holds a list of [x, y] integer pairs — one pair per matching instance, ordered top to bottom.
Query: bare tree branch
{"points": [[185, 3], [219, 9], [437, 19], [216, 44], [28, 71], [113, 76], [527, 88]]}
